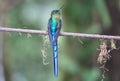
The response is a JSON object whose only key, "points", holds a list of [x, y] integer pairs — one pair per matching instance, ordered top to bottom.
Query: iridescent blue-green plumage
{"points": [[54, 27]]}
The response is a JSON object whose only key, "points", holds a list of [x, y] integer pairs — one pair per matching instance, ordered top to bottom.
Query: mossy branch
{"points": [[43, 32]]}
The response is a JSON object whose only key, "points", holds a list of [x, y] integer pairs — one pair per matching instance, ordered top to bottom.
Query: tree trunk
{"points": [[114, 63]]}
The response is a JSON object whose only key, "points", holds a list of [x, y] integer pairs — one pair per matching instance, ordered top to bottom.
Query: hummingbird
{"points": [[54, 27]]}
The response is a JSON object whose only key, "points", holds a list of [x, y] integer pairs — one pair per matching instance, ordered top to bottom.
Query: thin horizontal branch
{"points": [[43, 32]]}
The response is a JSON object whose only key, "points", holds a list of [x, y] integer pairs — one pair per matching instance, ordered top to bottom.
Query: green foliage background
{"points": [[23, 58]]}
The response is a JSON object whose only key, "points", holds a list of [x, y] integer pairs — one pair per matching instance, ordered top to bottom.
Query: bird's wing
{"points": [[58, 30], [49, 31]]}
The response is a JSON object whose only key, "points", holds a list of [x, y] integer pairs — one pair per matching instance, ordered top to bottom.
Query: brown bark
{"points": [[114, 64]]}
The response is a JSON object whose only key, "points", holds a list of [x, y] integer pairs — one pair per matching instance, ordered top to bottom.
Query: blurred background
{"points": [[21, 57]]}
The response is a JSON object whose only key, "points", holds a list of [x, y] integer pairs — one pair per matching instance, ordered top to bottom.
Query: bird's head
{"points": [[55, 14]]}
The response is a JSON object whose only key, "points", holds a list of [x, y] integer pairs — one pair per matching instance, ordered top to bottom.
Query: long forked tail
{"points": [[55, 58]]}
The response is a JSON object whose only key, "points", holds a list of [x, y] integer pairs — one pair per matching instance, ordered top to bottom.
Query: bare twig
{"points": [[43, 32]]}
